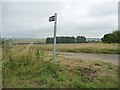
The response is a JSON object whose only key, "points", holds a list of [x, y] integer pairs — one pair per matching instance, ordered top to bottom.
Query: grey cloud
{"points": [[103, 9], [119, 15], [27, 16], [31, 19], [23, 33]]}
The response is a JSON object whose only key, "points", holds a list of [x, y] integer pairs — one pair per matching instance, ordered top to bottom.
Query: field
{"points": [[29, 40], [84, 48], [31, 66]]}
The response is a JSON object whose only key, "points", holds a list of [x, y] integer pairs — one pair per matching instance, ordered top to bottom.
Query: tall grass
{"points": [[30, 70]]}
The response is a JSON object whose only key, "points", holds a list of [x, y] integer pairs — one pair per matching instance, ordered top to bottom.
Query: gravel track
{"points": [[110, 58]]}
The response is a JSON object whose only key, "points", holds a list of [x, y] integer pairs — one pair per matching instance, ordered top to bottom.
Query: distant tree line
{"points": [[113, 37], [64, 39], [0, 41], [6, 41]]}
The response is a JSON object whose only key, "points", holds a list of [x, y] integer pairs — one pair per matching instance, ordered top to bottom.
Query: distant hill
{"points": [[28, 40]]}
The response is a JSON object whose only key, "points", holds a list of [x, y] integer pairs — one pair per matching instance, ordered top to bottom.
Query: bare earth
{"points": [[110, 58]]}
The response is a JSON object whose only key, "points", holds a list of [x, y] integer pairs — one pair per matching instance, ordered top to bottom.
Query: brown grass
{"points": [[83, 47]]}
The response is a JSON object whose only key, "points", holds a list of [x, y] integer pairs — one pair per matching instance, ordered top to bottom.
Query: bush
{"points": [[113, 37]]}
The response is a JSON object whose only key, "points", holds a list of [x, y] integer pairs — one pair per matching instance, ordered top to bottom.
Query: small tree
{"points": [[113, 37], [80, 39], [48, 41]]}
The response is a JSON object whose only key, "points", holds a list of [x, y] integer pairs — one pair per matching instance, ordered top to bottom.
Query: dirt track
{"points": [[110, 58]]}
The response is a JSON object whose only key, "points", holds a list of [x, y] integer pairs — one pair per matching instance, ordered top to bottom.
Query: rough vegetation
{"points": [[113, 37], [30, 66]]}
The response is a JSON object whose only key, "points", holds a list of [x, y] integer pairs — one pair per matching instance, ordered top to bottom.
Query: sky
{"points": [[79, 18]]}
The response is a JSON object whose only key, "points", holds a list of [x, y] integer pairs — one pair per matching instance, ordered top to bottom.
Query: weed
{"points": [[28, 68]]}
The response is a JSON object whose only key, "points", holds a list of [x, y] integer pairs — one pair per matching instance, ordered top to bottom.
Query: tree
{"points": [[116, 35], [112, 37], [62, 39], [80, 39], [48, 40]]}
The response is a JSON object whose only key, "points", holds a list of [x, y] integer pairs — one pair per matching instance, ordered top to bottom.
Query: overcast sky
{"points": [[30, 19]]}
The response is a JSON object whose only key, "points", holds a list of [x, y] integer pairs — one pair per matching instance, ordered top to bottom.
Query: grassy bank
{"points": [[30, 66]]}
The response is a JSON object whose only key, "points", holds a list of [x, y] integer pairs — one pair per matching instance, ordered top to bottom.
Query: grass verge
{"points": [[32, 70]]}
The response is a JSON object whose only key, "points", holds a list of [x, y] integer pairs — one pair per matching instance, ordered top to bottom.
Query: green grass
{"points": [[31, 70], [23, 72], [30, 73]]}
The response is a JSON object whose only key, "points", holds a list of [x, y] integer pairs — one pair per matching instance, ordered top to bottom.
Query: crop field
{"points": [[29, 40], [83, 48], [31, 66]]}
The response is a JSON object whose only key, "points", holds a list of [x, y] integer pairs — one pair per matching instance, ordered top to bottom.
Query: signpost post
{"points": [[54, 18]]}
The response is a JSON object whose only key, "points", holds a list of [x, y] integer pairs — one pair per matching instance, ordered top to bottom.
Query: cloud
{"points": [[30, 19]]}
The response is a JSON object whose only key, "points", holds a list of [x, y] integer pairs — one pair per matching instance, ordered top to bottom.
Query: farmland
{"points": [[84, 48], [31, 66]]}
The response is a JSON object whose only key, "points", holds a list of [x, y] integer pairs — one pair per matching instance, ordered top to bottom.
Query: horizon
{"points": [[52, 37]]}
